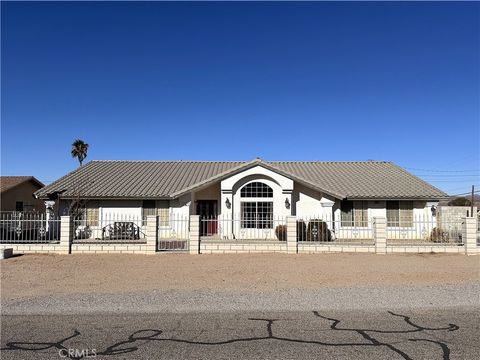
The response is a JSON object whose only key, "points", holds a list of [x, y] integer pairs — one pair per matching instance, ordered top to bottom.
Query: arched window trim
{"points": [[256, 189]]}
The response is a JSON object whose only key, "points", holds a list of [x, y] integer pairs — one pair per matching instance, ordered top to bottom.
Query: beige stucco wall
{"points": [[24, 193]]}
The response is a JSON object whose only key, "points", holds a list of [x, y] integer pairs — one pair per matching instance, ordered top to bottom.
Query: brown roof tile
{"points": [[8, 182]]}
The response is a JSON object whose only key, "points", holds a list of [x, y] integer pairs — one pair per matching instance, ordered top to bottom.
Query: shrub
{"points": [[460, 201], [301, 230], [317, 230], [281, 232], [438, 236]]}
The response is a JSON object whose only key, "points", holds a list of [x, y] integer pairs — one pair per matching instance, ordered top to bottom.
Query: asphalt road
{"points": [[449, 333]]}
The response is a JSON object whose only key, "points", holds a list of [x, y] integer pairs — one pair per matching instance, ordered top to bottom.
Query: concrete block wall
{"points": [[151, 235], [292, 235], [380, 235], [469, 235], [194, 238], [290, 246], [239, 247], [35, 248], [98, 248], [314, 248]]}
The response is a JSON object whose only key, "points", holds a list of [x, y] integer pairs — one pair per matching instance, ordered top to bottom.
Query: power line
{"points": [[447, 171], [448, 175], [450, 181], [467, 193]]}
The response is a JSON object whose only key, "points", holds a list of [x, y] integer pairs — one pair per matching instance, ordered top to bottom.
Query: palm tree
{"points": [[79, 150]]}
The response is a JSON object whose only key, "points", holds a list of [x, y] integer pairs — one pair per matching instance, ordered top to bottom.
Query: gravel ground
{"points": [[30, 276], [224, 283], [182, 301]]}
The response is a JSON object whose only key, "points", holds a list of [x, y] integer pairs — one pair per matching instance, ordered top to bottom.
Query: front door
{"points": [[207, 209]]}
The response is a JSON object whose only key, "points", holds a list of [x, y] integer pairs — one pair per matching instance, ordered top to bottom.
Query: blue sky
{"points": [[233, 81]]}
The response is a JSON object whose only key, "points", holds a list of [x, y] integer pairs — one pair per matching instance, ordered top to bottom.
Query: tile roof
{"points": [[166, 179], [8, 182]]}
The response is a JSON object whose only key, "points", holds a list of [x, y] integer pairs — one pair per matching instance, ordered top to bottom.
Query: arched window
{"points": [[255, 190], [256, 214]]}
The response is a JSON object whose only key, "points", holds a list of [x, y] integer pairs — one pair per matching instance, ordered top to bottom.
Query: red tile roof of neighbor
{"points": [[9, 182]]}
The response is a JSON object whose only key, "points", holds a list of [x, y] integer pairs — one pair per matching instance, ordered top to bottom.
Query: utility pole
{"points": [[471, 201]]}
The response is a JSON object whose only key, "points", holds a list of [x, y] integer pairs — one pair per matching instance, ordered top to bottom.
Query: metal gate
{"points": [[173, 233]]}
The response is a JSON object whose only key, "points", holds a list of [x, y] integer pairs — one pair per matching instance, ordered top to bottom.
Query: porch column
{"points": [[66, 234], [151, 234], [292, 235], [380, 235], [469, 235], [194, 243]]}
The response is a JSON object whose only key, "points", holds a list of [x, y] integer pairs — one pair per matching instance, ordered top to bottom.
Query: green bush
{"points": [[301, 230], [317, 230], [281, 232]]}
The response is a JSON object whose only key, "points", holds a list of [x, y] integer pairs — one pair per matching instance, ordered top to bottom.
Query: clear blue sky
{"points": [[233, 81]]}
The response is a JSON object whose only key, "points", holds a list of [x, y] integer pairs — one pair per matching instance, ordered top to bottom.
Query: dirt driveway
{"points": [[38, 275]]}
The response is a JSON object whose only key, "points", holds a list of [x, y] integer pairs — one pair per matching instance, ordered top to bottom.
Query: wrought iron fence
{"points": [[238, 227], [29, 228], [110, 228], [330, 229], [426, 230], [173, 232]]}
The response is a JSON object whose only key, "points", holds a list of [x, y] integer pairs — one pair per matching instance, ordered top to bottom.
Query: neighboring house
{"points": [[16, 194], [252, 194]]}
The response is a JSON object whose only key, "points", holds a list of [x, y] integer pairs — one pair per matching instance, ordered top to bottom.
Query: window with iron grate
{"points": [[354, 213], [400, 213]]}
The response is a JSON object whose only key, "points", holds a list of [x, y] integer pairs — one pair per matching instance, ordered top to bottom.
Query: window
{"points": [[256, 189], [19, 206], [148, 209], [163, 212], [91, 213], [354, 213], [400, 213], [257, 215]]}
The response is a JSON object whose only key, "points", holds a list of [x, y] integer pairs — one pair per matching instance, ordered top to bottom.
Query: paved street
{"points": [[413, 307], [421, 334]]}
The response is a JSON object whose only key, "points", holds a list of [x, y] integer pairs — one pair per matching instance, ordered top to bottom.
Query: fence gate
{"points": [[173, 233]]}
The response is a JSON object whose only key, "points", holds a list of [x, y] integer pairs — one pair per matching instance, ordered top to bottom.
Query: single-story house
{"points": [[16, 193], [246, 199]]}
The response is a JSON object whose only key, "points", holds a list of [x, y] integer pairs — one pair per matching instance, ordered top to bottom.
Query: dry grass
{"points": [[37, 275]]}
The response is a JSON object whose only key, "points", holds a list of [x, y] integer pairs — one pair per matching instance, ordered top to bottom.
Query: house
{"points": [[16, 193], [244, 200]]}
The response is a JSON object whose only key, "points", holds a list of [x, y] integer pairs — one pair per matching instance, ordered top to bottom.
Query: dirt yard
{"points": [[37, 275]]}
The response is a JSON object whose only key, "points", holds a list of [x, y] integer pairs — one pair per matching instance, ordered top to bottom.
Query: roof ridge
{"points": [[259, 160], [175, 161], [330, 161]]}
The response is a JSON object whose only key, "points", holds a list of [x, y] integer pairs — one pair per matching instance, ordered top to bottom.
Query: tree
{"points": [[79, 150], [460, 201]]}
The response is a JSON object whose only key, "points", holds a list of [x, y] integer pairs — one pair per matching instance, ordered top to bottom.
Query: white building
{"points": [[238, 200]]}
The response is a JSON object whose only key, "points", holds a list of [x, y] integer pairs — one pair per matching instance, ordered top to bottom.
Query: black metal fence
{"points": [[29, 228]]}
